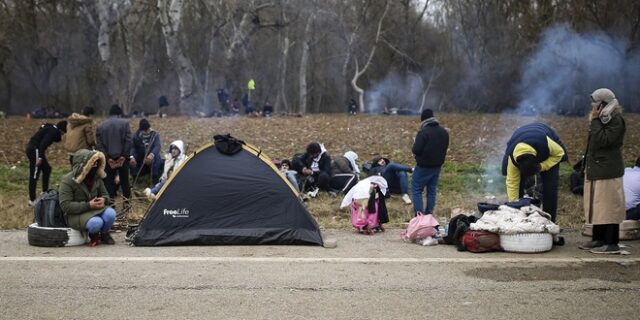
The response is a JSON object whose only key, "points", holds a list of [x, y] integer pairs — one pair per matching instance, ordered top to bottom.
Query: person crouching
{"points": [[83, 197]]}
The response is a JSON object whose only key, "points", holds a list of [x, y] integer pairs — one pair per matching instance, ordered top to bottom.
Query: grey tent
{"points": [[220, 199]]}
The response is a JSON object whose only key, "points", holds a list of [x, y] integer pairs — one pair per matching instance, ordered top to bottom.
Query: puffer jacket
{"points": [[80, 133], [74, 195]]}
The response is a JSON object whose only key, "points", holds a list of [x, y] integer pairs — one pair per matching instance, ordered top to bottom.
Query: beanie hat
{"points": [[115, 110], [426, 114], [144, 124], [62, 126]]}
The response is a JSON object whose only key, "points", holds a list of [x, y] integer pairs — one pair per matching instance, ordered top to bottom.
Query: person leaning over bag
{"points": [[603, 191], [83, 197]]}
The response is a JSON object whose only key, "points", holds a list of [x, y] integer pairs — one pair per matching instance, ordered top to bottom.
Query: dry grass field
{"points": [[469, 176]]}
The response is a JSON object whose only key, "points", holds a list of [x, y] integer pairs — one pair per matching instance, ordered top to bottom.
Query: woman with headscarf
{"points": [[344, 172], [603, 191]]}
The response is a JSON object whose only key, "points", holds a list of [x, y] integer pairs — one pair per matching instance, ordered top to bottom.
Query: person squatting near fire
{"points": [[80, 132], [46, 135], [113, 138], [534, 148], [430, 150], [145, 152], [174, 159], [314, 168], [394, 173], [631, 182], [83, 197], [604, 204]]}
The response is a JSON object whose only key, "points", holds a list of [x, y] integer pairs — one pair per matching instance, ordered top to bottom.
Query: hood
{"points": [[76, 120], [179, 144], [352, 157], [83, 160], [374, 161]]}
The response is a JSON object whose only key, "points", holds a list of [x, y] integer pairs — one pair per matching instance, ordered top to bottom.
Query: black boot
{"points": [[106, 238]]}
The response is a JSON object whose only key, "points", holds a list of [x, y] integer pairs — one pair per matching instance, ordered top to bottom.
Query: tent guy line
{"points": [[326, 260]]}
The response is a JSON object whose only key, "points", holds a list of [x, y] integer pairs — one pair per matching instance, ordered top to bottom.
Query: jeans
{"points": [[156, 168], [291, 176], [396, 176], [425, 177], [157, 187], [101, 222]]}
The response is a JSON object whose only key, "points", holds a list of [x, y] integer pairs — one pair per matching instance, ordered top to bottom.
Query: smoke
{"points": [[568, 66], [404, 92]]}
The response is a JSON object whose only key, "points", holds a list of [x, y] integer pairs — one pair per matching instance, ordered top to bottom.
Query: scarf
{"points": [[427, 122]]}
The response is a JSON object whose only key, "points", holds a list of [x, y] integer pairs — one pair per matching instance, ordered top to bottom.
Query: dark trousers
{"points": [[34, 172], [550, 180], [110, 184], [634, 213], [607, 233]]}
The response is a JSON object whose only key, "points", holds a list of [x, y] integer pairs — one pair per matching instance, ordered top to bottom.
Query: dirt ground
{"points": [[470, 174]]}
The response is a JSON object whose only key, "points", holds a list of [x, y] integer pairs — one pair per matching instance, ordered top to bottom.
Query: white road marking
{"points": [[324, 260]]}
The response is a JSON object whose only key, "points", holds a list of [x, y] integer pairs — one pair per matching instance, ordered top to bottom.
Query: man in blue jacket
{"points": [[429, 149], [146, 152]]}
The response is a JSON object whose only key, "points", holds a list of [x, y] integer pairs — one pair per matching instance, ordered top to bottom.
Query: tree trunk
{"points": [[170, 15], [304, 64]]}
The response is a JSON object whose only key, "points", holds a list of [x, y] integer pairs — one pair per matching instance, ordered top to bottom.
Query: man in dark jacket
{"points": [[113, 138], [38, 144], [429, 149], [146, 152], [315, 167]]}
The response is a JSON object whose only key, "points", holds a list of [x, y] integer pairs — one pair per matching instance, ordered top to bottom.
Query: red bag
{"points": [[481, 241]]}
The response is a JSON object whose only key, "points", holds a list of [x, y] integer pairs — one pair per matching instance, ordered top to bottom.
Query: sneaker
{"points": [[147, 192], [313, 193], [406, 199], [31, 203], [106, 238], [94, 239], [590, 245], [606, 249]]}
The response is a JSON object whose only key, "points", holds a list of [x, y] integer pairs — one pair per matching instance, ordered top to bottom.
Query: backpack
{"points": [[227, 144], [47, 211], [420, 227], [457, 228], [481, 241]]}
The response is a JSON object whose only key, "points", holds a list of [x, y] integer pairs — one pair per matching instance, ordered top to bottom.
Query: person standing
{"points": [[80, 132], [113, 138], [36, 148], [534, 148], [430, 150], [146, 152], [83, 197], [604, 204]]}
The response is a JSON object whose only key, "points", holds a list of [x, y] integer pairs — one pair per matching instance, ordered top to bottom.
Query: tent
{"points": [[220, 199]]}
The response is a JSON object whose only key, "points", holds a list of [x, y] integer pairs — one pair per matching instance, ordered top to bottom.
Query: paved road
{"points": [[365, 277]]}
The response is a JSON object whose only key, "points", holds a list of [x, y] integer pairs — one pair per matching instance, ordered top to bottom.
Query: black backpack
{"points": [[227, 144], [47, 211], [457, 227]]}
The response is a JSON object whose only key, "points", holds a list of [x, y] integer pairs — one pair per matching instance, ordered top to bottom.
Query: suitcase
{"points": [[361, 219], [629, 230], [481, 241]]}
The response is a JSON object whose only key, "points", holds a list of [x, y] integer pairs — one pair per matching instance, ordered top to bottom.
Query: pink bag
{"points": [[361, 219], [420, 227]]}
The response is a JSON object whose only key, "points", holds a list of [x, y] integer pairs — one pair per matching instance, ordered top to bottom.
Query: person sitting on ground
{"points": [[235, 108], [267, 110], [80, 132], [46, 135], [146, 153], [175, 158], [314, 167], [285, 169], [344, 172], [394, 173], [631, 183], [83, 197]]}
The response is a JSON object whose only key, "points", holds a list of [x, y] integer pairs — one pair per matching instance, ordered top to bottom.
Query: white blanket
{"points": [[362, 190], [507, 220]]}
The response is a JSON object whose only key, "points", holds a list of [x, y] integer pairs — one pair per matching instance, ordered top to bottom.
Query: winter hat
{"points": [[604, 95], [115, 110], [426, 114], [144, 124], [62, 126]]}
